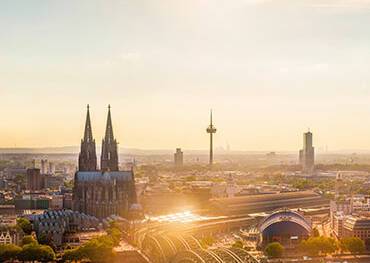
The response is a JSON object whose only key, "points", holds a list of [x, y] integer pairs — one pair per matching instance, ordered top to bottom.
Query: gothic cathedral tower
{"points": [[109, 154], [87, 159]]}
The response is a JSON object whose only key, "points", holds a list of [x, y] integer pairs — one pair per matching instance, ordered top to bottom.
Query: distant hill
{"points": [[65, 149], [76, 149], [129, 151], [136, 151]]}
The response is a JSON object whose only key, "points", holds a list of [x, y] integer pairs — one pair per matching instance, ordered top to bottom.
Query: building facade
{"points": [[307, 154], [179, 157], [35, 180], [53, 182], [107, 191], [55, 224], [357, 226], [286, 227], [10, 236]]}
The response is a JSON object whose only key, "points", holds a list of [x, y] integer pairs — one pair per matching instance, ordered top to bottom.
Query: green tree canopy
{"points": [[25, 225], [315, 232], [115, 233], [43, 239], [28, 240], [238, 244], [316, 245], [353, 245], [99, 249], [96, 250], [274, 250], [9, 252], [33, 252], [46, 253], [73, 255]]}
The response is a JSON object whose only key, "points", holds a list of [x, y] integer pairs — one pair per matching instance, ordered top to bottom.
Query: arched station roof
{"points": [[285, 216]]}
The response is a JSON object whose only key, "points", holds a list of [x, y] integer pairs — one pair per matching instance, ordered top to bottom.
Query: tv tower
{"points": [[211, 130]]}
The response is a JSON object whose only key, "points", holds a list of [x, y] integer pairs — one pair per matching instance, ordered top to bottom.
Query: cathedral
{"points": [[107, 191]]}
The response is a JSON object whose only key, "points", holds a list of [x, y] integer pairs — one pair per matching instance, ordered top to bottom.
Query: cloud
{"points": [[340, 5], [131, 56], [119, 59], [308, 68]]}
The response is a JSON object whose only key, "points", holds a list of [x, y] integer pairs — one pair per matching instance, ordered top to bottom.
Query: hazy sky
{"points": [[269, 69]]}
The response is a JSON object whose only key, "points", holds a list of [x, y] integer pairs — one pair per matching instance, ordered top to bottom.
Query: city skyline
{"points": [[162, 72], [197, 131], [220, 147]]}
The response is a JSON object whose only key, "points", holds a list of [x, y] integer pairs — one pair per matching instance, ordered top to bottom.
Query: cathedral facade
{"points": [[107, 191]]}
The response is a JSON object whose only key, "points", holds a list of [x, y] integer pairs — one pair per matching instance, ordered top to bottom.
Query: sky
{"points": [[269, 70]]}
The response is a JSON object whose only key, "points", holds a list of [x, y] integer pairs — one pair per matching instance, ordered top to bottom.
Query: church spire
{"points": [[109, 128], [88, 131], [109, 156], [87, 159]]}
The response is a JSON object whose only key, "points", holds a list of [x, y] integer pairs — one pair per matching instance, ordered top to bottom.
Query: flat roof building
{"points": [[267, 202]]}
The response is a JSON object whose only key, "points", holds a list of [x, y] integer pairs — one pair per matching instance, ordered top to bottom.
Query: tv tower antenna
{"points": [[211, 130]]}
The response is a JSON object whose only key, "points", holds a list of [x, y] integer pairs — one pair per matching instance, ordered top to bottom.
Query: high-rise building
{"points": [[211, 130], [307, 154], [179, 157], [43, 166], [51, 168], [35, 180], [108, 191]]}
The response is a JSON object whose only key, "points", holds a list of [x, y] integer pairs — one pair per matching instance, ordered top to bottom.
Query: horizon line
{"points": [[218, 149]]}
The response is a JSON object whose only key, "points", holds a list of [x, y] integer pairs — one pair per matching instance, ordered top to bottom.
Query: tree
{"points": [[68, 184], [25, 225], [315, 232], [115, 233], [43, 239], [28, 240], [238, 244], [316, 245], [329, 245], [353, 245], [99, 249], [96, 250], [274, 250], [9, 252], [33, 252], [46, 253], [73, 255]]}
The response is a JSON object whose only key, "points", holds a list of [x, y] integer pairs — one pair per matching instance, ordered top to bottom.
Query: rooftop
{"points": [[98, 175]]}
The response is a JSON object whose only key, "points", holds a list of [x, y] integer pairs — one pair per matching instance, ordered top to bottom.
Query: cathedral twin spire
{"points": [[109, 153], [87, 157], [109, 158]]}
